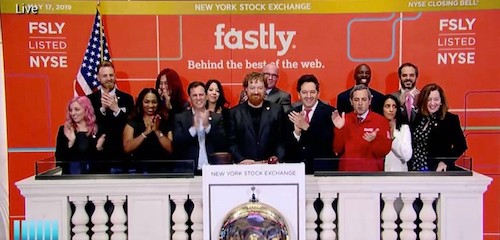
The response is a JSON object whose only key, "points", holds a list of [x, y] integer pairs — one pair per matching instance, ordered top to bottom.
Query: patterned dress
{"points": [[419, 161]]}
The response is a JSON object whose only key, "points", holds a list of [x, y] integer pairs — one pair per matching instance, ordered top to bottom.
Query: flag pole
{"points": [[100, 32]]}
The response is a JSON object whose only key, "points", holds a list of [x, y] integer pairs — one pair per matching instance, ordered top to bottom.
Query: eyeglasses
{"points": [[271, 75]]}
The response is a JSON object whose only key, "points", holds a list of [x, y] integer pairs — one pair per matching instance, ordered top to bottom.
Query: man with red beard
{"points": [[362, 75], [408, 92], [256, 126], [362, 137]]}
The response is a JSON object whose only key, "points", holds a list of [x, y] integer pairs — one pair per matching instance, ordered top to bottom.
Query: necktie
{"points": [[408, 105], [308, 110], [360, 119]]}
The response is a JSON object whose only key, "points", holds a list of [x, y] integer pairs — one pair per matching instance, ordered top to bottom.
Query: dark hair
{"points": [[104, 64], [407, 65], [254, 77], [307, 78], [193, 85], [360, 87], [424, 96], [178, 98], [221, 101], [139, 111], [399, 116]]}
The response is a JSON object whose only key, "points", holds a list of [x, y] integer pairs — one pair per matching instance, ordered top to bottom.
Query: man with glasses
{"points": [[273, 93]]}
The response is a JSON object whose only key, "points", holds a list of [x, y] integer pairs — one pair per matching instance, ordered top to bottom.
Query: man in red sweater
{"points": [[362, 137]]}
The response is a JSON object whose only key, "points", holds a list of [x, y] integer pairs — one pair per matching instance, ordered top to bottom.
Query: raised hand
{"points": [[110, 101], [204, 117], [298, 120], [338, 120], [70, 134], [370, 136], [100, 142]]}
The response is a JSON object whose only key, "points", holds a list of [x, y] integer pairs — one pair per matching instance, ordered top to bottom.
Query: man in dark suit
{"points": [[362, 75], [408, 92], [273, 93], [111, 107], [256, 126], [198, 133], [311, 135]]}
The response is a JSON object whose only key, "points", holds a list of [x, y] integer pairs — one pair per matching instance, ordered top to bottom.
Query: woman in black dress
{"points": [[147, 135], [79, 140]]}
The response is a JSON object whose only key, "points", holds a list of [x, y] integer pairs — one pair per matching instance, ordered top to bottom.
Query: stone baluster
{"points": [[328, 216], [427, 216], [179, 217], [197, 217], [311, 217], [389, 217], [408, 217], [80, 218], [99, 218], [118, 218]]}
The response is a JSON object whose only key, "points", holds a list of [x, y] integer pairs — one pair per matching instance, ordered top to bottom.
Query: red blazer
{"points": [[356, 154]]}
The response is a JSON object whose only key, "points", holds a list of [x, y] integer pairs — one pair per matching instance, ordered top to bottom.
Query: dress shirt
{"points": [[311, 113]]}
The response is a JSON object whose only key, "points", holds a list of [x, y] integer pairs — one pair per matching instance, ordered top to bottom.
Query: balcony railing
{"points": [[380, 206]]}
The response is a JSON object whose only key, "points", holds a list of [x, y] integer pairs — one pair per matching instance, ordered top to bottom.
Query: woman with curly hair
{"points": [[147, 135], [79, 140]]}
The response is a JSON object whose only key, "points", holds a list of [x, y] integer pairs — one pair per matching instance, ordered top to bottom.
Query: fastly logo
{"points": [[264, 38], [36, 230]]}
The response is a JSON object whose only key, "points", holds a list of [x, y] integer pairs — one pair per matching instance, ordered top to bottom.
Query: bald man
{"points": [[362, 75]]}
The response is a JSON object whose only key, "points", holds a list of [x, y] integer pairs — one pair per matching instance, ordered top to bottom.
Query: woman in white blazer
{"points": [[401, 150]]}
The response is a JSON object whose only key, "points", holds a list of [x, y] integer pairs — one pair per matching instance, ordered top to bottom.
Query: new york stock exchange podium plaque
{"points": [[254, 202]]}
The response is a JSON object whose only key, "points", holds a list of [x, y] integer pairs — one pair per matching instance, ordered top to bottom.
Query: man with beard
{"points": [[362, 75], [408, 92], [273, 93], [111, 107], [255, 126], [198, 133], [311, 135], [362, 137]]}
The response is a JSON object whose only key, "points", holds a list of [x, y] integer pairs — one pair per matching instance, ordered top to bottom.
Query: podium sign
{"points": [[279, 188]]}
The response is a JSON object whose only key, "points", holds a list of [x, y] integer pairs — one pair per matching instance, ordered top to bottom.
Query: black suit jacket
{"points": [[344, 104], [113, 126], [446, 140], [316, 142], [245, 143], [187, 147]]}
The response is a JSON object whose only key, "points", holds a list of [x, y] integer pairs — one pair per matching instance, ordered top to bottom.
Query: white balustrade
{"points": [[459, 207], [328, 216], [427, 216], [179, 217], [197, 217], [311, 217], [389, 217], [408, 217], [80, 218], [99, 218], [118, 218]]}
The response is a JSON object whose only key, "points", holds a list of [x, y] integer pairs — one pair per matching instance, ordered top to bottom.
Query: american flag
{"points": [[86, 79]]}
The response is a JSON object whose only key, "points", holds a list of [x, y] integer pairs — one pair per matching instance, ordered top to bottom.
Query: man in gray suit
{"points": [[408, 92], [273, 93]]}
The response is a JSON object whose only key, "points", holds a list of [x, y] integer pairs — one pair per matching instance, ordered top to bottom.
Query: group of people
{"points": [[368, 131]]}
